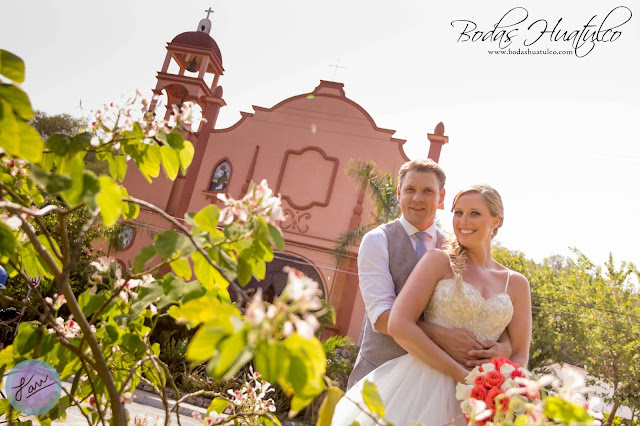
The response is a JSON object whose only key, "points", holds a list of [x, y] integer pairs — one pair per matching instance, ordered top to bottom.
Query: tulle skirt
{"points": [[412, 392]]}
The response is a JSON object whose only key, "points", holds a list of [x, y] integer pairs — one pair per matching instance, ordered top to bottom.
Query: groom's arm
{"points": [[376, 284], [462, 345]]}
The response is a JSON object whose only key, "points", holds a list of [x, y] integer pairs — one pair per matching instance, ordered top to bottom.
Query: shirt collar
{"points": [[410, 229]]}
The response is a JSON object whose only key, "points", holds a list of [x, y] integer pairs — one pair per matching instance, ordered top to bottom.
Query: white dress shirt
{"points": [[376, 284]]}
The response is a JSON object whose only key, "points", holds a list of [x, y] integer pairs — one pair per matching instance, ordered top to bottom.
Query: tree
{"points": [[382, 188], [106, 345]]}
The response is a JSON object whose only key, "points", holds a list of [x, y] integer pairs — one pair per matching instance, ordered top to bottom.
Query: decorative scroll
{"points": [[293, 220]]}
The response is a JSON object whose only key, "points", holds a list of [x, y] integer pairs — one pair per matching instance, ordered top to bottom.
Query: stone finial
{"points": [[439, 129]]}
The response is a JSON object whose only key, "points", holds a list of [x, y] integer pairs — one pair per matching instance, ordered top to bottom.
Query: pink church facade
{"points": [[301, 146]]}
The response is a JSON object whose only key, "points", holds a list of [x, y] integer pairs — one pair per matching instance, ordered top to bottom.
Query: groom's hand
{"points": [[457, 342], [489, 350]]}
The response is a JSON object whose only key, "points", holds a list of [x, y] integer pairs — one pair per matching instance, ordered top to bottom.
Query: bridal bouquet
{"points": [[501, 392]]}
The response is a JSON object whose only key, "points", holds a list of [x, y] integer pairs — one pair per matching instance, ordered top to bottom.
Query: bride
{"points": [[461, 287]]}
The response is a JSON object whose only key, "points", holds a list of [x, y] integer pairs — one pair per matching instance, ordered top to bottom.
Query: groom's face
{"points": [[419, 196]]}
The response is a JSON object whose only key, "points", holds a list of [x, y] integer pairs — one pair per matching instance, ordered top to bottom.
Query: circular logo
{"points": [[33, 387]]}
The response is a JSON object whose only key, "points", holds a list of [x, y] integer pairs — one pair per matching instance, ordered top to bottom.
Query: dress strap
{"points": [[508, 276]]}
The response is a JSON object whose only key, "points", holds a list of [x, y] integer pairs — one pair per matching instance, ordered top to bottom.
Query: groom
{"points": [[387, 256]]}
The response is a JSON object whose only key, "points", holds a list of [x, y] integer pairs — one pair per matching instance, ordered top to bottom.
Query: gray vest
{"points": [[377, 348]]}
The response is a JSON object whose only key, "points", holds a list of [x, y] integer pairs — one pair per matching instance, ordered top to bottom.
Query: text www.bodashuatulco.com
{"points": [[528, 51]]}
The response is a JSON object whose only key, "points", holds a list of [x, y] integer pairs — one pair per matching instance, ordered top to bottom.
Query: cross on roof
{"points": [[209, 12], [336, 66]]}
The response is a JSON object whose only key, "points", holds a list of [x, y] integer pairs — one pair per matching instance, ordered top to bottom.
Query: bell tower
{"points": [[197, 53]]}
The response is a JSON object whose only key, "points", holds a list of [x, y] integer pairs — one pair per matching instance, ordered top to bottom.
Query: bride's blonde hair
{"points": [[457, 252]]}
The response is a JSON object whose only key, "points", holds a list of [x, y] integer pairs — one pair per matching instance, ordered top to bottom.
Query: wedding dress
{"points": [[411, 390]]}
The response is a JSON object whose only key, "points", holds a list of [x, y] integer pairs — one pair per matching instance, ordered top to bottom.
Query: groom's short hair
{"points": [[423, 166]]}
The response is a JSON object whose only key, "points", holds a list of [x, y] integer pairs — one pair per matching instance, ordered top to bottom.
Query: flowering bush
{"points": [[105, 342], [501, 392]]}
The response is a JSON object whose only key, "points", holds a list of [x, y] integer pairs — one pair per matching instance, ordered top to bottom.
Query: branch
{"points": [[44, 229], [31, 233], [78, 248], [239, 291], [77, 404]]}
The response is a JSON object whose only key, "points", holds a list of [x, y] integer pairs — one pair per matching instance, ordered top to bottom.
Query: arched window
{"points": [[220, 177]]}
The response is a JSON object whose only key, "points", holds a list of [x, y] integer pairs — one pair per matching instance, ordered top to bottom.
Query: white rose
{"points": [[488, 367], [507, 369], [526, 372], [472, 375], [508, 384], [463, 391], [517, 405], [466, 407]]}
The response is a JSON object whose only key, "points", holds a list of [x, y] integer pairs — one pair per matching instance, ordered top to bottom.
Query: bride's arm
{"points": [[408, 309], [520, 326]]}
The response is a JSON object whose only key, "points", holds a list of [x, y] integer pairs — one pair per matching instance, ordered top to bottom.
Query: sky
{"points": [[557, 135]]}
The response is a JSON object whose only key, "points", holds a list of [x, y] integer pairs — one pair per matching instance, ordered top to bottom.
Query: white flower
{"points": [[103, 263], [301, 291], [256, 311], [486, 367], [507, 369], [471, 377], [508, 384], [463, 391], [127, 397], [517, 405], [466, 406]]}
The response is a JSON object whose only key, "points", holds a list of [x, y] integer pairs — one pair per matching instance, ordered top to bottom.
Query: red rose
{"points": [[499, 362], [516, 373], [494, 378], [479, 380], [479, 393], [489, 400], [502, 402]]}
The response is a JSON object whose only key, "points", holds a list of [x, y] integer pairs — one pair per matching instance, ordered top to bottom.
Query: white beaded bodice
{"points": [[487, 318]]}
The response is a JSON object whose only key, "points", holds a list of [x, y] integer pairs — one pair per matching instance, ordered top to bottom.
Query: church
{"points": [[301, 146]]}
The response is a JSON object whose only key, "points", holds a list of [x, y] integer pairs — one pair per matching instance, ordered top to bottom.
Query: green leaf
{"points": [[11, 66], [18, 99], [9, 132], [174, 140], [31, 144], [186, 156], [170, 161], [117, 167], [52, 183], [90, 187], [74, 194], [109, 200], [130, 210], [207, 218], [276, 236], [7, 242], [170, 243], [52, 247], [144, 256], [182, 268], [203, 270], [245, 270], [89, 303], [206, 310], [25, 339], [203, 345], [233, 353], [268, 360], [303, 375], [372, 399], [218, 405], [328, 406], [565, 412]]}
